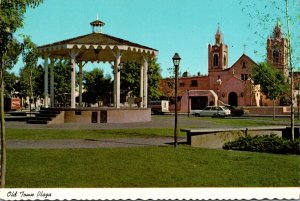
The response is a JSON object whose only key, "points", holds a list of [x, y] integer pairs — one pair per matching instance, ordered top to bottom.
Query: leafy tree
{"points": [[263, 14], [11, 18], [30, 75], [62, 77], [154, 78], [130, 79], [10, 80], [272, 81], [98, 88]]}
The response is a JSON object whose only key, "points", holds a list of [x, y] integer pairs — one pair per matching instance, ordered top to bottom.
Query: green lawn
{"points": [[246, 121], [149, 167]]}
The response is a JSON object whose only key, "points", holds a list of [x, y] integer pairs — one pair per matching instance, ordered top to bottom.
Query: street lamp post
{"points": [[176, 60], [219, 82], [188, 103]]}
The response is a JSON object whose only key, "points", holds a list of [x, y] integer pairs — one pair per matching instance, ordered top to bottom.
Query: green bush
{"points": [[265, 143]]}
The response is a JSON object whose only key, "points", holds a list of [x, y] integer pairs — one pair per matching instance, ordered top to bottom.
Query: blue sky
{"points": [[183, 26]]}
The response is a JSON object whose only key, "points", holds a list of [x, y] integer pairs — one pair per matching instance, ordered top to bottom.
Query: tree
{"points": [[263, 14], [11, 18], [30, 75], [62, 77], [154, 78], [130, 79], [10, 80], [272, 81], [98, 88]]}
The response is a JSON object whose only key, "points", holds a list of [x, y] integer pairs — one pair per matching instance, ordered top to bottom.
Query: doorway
{"points": [[233, 99], [198, 102]]}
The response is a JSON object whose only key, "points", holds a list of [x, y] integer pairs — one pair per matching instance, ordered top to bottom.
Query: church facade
{"points": [[227, 85]]}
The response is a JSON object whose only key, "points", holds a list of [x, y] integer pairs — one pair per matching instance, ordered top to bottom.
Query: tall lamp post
{"points": [[176, 60], [219, 82], [188, 103]]}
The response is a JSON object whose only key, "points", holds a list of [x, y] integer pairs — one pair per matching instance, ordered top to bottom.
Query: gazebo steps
{"points": [[49, 111], [44, 116], [16, 118], [36, 121]]}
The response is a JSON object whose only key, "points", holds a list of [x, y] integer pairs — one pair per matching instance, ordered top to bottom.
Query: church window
{"points": [[275, 56], [216, 60], [225, 60], [244, 64], [244, 77], [194, 83]]}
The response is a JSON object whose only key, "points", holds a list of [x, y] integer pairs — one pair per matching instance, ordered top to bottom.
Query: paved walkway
{"points": [[158, 121], [91, 143]]}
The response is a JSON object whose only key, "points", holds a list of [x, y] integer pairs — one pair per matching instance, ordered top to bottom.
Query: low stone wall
{"points": [[269, 110], [102, 115], [217, 140]]}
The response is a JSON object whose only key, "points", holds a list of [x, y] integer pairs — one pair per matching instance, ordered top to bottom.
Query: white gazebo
{"points": [[95, 47]]}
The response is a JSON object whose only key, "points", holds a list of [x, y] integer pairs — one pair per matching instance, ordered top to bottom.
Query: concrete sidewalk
{"points": [[158, 121], [91, 143]]}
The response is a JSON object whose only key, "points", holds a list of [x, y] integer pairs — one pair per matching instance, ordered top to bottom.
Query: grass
{"points": [[244, 122], [45, 134], [149, 167]]}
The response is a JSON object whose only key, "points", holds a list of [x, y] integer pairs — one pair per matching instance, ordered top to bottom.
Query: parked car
{"points": [[211, 111], [236, 111]]}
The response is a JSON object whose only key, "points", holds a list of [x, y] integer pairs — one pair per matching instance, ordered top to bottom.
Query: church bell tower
{"points": [[277, 50], [218, 53]]}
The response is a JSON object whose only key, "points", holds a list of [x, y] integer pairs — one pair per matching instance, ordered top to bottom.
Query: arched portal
{"points": [[233, 99]]}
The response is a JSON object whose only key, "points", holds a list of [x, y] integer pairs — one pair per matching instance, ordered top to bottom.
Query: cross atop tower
{"points": [[218, 35]]}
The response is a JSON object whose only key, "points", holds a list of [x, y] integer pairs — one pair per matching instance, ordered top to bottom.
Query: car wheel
{"points": [[197, 115]]}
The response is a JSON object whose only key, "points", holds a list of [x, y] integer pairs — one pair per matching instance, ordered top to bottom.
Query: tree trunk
{"points": [[287, 16], [273, 109], [3, 142]]}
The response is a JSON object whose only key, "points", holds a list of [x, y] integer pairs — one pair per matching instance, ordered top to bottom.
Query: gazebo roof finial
{"points": [[97, 25]]}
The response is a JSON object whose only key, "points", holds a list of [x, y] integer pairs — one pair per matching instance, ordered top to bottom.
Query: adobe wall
{"points": [[268, 110], [103, 115], [218, 139]]}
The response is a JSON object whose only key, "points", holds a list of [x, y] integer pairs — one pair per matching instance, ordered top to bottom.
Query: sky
{"points": [[183, 26]]}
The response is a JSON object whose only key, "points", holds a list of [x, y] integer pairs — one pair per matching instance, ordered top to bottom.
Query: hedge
{"points": [[265, 143]]}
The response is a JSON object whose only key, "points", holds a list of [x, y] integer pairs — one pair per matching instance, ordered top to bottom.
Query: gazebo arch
{"points": [[96, 47]]}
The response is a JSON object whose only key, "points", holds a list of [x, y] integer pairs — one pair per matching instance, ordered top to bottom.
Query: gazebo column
{"points": [[73, 77], [117, 80], [46, 81], [52, 82], [80, 83], [145, 84], [142, 85]]}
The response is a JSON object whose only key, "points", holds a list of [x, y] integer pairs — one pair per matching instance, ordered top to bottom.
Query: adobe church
{"points": [[230, 85]]}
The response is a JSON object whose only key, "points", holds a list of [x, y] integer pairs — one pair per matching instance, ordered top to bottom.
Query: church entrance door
{"points": [[233, 99], [199, 102]]}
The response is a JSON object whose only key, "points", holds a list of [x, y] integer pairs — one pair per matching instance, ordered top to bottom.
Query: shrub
{"points": [[265, 143]]}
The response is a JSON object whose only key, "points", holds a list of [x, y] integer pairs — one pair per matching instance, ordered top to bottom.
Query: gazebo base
{"points": [[101, 115]]}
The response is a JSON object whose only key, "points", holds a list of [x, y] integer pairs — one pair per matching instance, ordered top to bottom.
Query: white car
{"points": [[211, 111]]}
